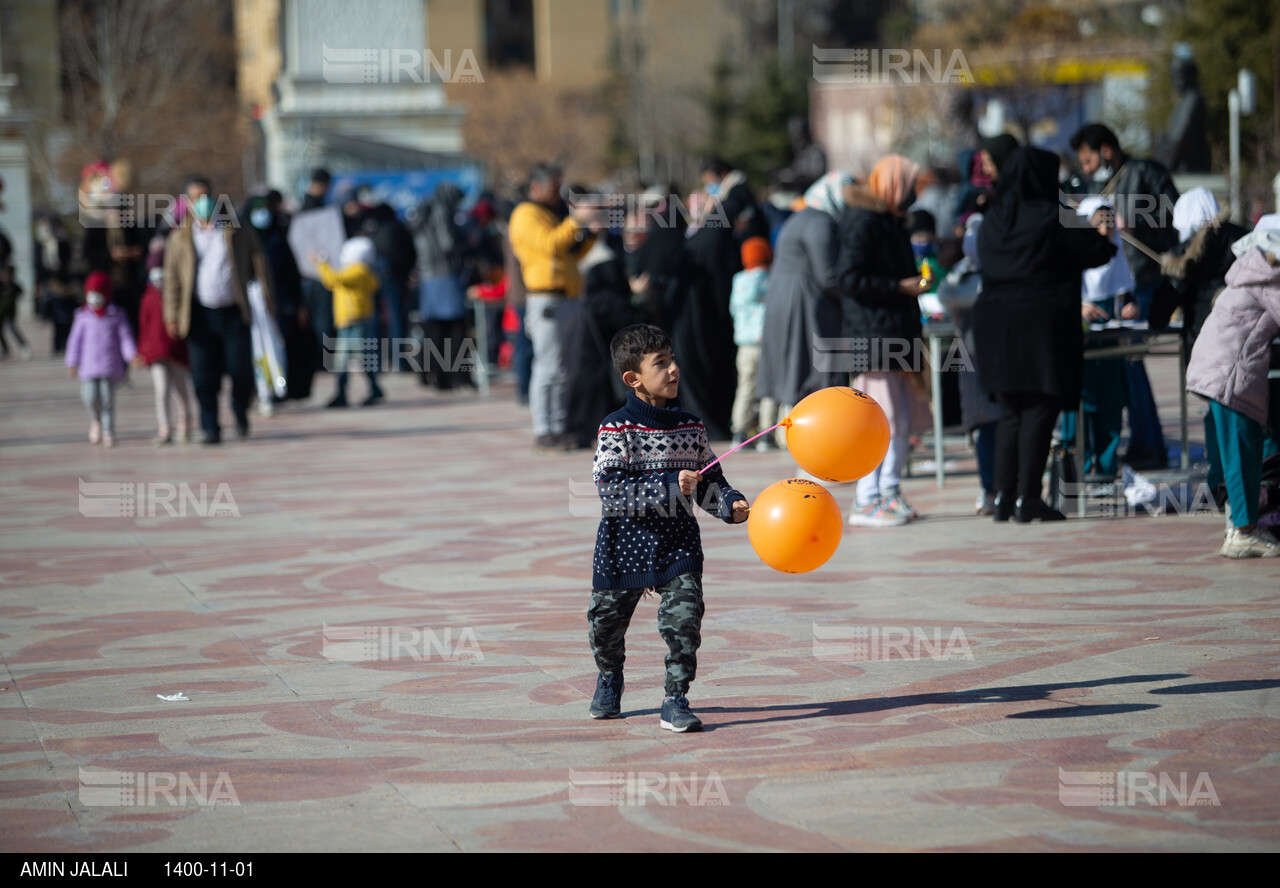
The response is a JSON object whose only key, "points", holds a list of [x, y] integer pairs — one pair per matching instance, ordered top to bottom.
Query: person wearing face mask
{"points": [[1144, 196], [209, 261], [879, 288], [99, 350], [166, 356]]}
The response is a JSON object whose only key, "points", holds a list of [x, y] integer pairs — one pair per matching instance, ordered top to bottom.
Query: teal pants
{"points": [[1104, 395], [1270, 440], [1236, 446]]}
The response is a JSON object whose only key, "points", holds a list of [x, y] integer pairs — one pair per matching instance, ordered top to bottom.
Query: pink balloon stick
{"points": [[740, 446]]}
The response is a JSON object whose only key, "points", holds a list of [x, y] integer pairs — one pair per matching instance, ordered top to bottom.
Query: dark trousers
{"points": [[319, 304], [219, 343], [442, 354], [522, 359], [1023, 435]]}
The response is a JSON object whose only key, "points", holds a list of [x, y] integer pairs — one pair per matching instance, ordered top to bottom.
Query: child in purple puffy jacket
{"points": [[99, 350]]}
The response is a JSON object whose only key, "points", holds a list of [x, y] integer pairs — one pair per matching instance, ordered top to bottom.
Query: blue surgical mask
{"points": [[713, 189], [203, 206], [260, 218], [921, 250]]}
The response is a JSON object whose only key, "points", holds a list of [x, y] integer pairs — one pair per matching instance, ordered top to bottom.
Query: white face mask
{"points": [[1103, 173], [156, 276], [95, 300]]}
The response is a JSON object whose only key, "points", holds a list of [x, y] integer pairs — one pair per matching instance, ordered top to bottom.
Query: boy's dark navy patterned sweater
{"points": [[648, 532]]}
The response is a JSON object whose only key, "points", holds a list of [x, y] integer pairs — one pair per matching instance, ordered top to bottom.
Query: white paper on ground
{"points": [[174, 698]]}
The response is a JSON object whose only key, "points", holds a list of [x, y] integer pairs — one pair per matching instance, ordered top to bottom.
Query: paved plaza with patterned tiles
{"points": [[1103, 683]]}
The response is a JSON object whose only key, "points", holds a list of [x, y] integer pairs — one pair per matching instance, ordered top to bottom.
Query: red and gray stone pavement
{"points": [[1106, 683]]}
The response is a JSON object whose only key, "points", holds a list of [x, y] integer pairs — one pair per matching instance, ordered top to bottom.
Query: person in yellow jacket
{"points": [[548, 249], [354, 315]]}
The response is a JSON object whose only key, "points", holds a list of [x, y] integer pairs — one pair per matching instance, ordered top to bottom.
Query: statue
{"points": [[1186, 142], [810, 162]]}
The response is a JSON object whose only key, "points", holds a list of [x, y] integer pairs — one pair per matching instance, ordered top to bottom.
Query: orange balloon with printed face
{"points": [[838, 434], [795, 525]]}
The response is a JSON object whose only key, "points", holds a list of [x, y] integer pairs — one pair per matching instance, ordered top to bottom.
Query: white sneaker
{"points": [[985, 504], [898, 505], [876, 515], [1258, 544]]}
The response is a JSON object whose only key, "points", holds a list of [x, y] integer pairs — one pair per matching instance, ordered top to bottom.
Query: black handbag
{"points": [[1064, 482]]}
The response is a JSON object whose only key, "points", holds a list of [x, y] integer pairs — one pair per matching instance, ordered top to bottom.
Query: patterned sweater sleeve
{"points": [[623, 488], [724, 496]]}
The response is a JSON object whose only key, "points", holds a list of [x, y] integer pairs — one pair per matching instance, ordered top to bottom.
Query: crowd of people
{"points": [[1021, 248]]}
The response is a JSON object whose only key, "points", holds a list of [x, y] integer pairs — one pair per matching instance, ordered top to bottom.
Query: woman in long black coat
{"points": [[606, 309], [697, 316], [1027, 330]]}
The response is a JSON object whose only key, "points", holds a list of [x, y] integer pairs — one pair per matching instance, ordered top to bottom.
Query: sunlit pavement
{"points": [[378, 617]]}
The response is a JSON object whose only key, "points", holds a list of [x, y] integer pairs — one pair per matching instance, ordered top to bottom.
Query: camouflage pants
{"points": [[679, 624]]}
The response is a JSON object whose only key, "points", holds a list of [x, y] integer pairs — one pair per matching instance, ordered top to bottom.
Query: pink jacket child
{"points": [[99, 350], [1232, 354], [1229, 365]]}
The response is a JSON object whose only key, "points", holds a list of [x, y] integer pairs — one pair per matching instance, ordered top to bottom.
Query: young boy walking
{"points": [[648, 472]]}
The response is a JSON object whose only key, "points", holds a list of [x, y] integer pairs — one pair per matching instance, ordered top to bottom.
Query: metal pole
{"points": [[786, 31], [1233, 110], [935, 371]]}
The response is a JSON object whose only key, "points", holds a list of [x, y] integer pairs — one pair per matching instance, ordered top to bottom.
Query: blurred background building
{"points": [[254, 93]]}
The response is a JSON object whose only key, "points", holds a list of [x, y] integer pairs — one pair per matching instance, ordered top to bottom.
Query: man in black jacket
{"points": [[1144, 197]]}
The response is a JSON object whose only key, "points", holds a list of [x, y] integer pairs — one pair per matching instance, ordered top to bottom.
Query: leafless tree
{"points": [[153, 82]]}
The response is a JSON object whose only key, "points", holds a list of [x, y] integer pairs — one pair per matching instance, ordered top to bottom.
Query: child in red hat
{"points": [[746, 304], [99, 350]]}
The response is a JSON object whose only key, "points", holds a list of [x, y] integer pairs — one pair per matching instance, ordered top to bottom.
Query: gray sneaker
{"points": [[1257, 544]]}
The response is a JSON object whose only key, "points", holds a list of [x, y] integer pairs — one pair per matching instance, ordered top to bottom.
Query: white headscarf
{"points": [[827, 194], [1195, 209], [1265, 235], [1103, 283]]}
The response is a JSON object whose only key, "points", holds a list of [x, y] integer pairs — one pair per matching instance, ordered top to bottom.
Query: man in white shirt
{"points": [[209, 261]]}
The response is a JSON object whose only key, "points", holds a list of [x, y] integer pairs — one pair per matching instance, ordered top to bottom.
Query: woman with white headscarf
{"points": [[1197, 267], [803, 302]]}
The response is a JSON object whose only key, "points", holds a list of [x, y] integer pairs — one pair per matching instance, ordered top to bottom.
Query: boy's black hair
{"points": [[1095, 135], [922, 221], [631, 344]]}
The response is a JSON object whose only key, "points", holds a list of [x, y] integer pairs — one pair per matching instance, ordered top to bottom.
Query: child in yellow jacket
{"points": [[354, 285]]}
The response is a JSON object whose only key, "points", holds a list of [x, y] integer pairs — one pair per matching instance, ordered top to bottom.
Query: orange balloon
{"points": [[838, 434], [795, 525]]}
